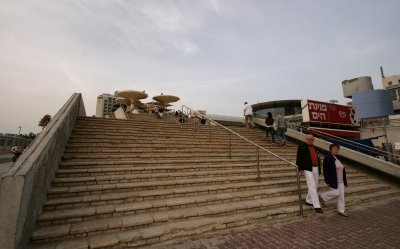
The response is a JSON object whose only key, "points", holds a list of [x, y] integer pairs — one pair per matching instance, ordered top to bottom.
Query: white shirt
{"points": [[247, 110], [339, 170]]}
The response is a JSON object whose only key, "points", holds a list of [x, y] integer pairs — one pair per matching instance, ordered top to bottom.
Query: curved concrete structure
{"points": [[359, 84], [166, 99], [122, 101], [287, 107]]}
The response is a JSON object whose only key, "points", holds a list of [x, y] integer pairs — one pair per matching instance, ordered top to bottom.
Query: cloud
{"points": [[215, 6], [214, 54]]}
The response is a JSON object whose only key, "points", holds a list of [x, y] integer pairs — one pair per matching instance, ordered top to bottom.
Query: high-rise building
{"points": [[392, 83], [105, 104]]}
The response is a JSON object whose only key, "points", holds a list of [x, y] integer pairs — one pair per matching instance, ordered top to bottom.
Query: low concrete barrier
{"points": [[368, 161], [23, 188]]}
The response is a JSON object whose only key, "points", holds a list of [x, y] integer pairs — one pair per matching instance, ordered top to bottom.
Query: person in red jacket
{"points": [[335, 177]]}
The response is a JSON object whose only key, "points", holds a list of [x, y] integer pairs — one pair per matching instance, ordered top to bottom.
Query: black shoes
{"points": [[323, 204], [318, 210], [343, 214]]}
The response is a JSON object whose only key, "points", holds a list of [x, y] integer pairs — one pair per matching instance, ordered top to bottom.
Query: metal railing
{"points": [[297, 113], [172, 116], [350, 143], [258, 147]]}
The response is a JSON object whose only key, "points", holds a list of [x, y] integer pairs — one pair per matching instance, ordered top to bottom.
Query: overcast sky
{"points": [[213, 54]]}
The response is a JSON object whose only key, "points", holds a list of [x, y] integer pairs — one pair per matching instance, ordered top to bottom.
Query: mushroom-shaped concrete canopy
{"points": [[133, 96], [166, 99], [156, 103], [140, 105], [152, 105]]}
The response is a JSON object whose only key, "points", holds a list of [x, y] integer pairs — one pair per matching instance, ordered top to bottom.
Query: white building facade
{"points": [[392, 83], [105, 104]]}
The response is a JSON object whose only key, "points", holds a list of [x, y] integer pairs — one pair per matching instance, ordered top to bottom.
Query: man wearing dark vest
{"points": [[309, 165]]}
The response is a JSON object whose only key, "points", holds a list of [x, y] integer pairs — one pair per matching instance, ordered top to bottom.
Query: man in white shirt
{"points": [[248, 115]]}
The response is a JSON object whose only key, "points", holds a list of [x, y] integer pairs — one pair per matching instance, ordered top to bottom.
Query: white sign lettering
{"points": [[318, 106], [318, 115]]}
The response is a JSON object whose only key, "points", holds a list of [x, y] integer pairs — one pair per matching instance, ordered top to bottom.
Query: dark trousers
{"points": [[271, 131]]}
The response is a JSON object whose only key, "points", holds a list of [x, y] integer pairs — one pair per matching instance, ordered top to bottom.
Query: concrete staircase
{"points": [[137, 182]]}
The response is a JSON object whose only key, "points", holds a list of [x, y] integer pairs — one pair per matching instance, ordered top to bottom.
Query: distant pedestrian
{"points": [[160, 112], [248, 115], [203, 120], [269, 123], [281, 127], [17, 152], [309, 166], [335, 177]]}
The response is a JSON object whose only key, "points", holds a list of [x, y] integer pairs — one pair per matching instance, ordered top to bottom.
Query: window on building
{"points": [[389, 83], [398, 94], [394, 96]]}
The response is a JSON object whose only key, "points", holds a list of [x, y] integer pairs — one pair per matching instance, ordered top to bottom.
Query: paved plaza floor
{"points": [[376, 226]]}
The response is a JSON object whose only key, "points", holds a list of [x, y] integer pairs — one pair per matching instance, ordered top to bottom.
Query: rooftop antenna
{"points": [[383, 76], [333, 101]]}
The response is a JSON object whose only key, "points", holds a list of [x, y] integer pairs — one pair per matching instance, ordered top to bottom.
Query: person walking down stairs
{"points": [[248, 115], [310, 167], [335, 177]]}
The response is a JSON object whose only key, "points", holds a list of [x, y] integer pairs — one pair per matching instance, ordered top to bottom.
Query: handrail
{"points": [[301, 110], [126, 114], [222, 116], [172, 117], [380, 126], [237, 134], [346, 141], [359, 146], [258, 147]]}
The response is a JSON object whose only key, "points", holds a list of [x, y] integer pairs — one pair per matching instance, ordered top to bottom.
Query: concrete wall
{"points": [[359, 84], [392, 133], [23, 188]]}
